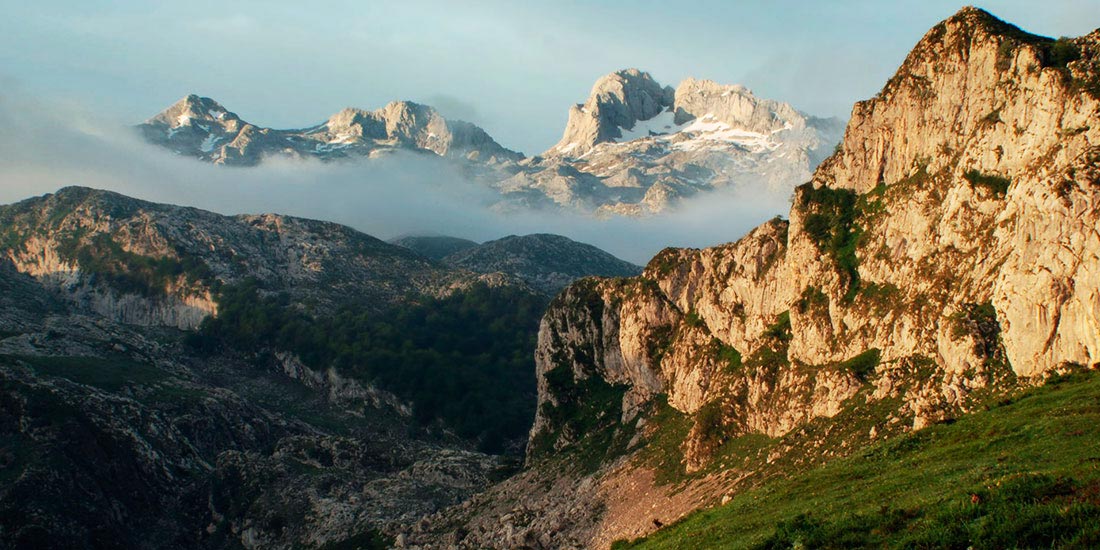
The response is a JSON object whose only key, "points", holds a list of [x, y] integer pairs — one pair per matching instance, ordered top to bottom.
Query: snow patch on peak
{"points": [[663, 123], [209, 143]]}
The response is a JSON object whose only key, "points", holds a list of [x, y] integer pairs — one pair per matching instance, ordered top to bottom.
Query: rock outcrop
{"points": [[618, 102]]}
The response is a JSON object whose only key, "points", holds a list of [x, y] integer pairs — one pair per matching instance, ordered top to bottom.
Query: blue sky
{"points": [[511, 67]]}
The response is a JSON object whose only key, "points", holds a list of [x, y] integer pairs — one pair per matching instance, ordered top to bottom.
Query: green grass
{"points": [[832, 224], [862, 365], [586, 414], [1024, 472]]}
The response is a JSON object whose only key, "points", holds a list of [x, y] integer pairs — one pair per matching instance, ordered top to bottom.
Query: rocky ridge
{"points": [[200, 127], [636, 148], [85, 242], [945, 254]]}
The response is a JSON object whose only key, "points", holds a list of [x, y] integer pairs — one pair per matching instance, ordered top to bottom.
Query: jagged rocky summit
{"points": [[200, 127], [633, 148], [946, 253]]}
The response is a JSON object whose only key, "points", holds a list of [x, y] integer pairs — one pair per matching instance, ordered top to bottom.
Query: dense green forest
{"points": [[466, 360]]}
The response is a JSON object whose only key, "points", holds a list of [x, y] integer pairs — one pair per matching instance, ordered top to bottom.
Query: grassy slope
{"points": [[1032, 463]]}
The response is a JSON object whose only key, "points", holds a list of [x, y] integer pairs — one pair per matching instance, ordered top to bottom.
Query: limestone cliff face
{"points": [[976, 168], [948, 250]]}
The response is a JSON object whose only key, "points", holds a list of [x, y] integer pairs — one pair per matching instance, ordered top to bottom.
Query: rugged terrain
{"points": [[633, 148], [946, 255], [272, 381], [121, 400]]}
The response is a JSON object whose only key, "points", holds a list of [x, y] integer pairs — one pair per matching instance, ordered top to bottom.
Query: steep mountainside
{"points": [[200, 127], [636, 148], [947, 254], [545, 262], [326, 384]]}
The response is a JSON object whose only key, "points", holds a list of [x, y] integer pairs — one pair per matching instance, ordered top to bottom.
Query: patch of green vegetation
{"points": [[1005, 52], [1061, 52], [998, 185], [831, 225], [12, 239], [665, 262], [129, 272], [882, 297], [812, 298], [692, 319], [979, 321], [781, 329], [658, 342], [727, 355], [771, 356], [466, 360], [862, 365], [109, 374], [587, 413], [710, 425], [663, 447], [1025, 474], [367, 540]]}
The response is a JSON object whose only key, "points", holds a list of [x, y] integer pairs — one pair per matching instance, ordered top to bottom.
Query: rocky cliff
{"points": [[946, 253]]}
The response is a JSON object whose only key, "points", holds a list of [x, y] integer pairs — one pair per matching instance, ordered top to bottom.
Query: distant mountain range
{"points": [[633, 147]]}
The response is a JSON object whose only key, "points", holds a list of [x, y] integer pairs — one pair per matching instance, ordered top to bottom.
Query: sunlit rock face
{"points": [[946, 251]]}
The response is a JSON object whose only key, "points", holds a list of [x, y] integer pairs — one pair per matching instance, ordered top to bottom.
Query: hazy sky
{"points": [[513, 67]]}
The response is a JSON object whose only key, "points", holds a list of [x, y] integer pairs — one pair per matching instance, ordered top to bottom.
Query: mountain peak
{"points": [[618, 100], [193, 107]]}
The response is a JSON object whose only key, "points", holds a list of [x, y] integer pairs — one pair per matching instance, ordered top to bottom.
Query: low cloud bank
{"points": [[44, 147]]}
